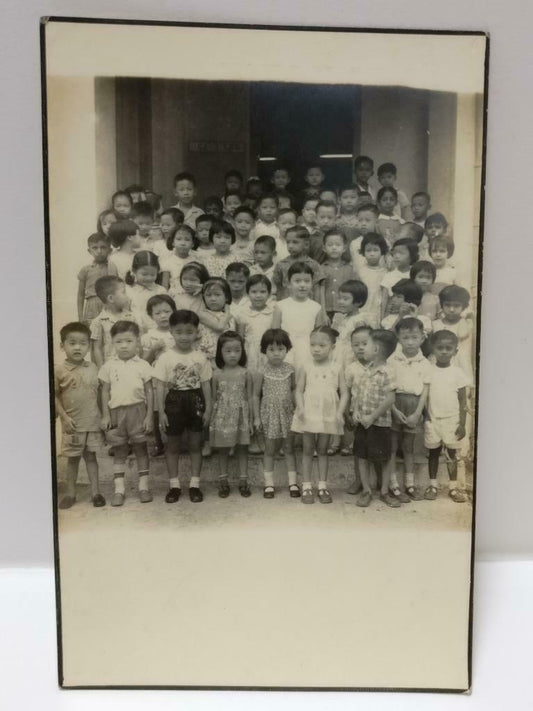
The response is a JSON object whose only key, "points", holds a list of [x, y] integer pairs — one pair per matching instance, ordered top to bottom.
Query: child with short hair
{"points": [[363, 168], [387, 175], [314, 178], [280, 179], [233, 181], [254, 190], [185, 191], [329, 195], [232, 201], [121, 203], [214, 207], [420, 207], [267, 214], [326, 214], [143, 216], [308, 216], [287, 218], [347, 218], [367, 218], [170, 220], [104, 222], [388, 223], [436, 225], [410, 230], [125, 237], [222, 237], [297, 239], [179, 244], [203, 245], [243, 247], [440, 251], [264, 254], [404, 255], [335, 270], [371, 271], [424, 273], [237, 274], [192, 278], [142, 281], [111, 290], [351, 300], [405, 302], [454, 302], [89, 305], [216, 317], [254, 318], [353, 374], [412, 375], [183, 391], [76, 404], [127, 408], [446, 413], [372, 417], [230, 424]]}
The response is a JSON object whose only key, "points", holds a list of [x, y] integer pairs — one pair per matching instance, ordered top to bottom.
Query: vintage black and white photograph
{"points": [[264, 323]]}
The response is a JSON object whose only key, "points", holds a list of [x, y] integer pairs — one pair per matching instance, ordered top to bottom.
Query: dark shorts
{"points": [[184, 410], [373, 443]]}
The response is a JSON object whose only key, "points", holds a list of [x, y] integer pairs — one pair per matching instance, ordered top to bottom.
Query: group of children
{"points": [[327, 319]]}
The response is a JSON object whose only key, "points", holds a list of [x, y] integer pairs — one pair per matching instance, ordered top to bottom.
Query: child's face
{"points": [[363, 172], [314, 177], [281, 179], [387, 180], [233, 183], [255, 190], [185, 192], [328, 195], [348, 201], [232, 202], [284, 202], [387, 203], [122, 206], [419, 207], [214, 210], [268, 210], [309, 212], [325, 217], [288, 219], [366, 219], [106, 222], [144, 223], [167, 225], [243, 225], [435, 229], [202, 232], [182, 243], [221, 243], [295, 245], [334, 246], [99, 251], [372, 255], [439, 255], [263, 256], [401, 257], [146, 276], [424, 280], [191, 283], [237, 284], [301, 285], [258, 294], [119, 298], [215, 299], [395, 301], [346, 303], [452, 311], [161, 314], [184, 335], [410, 340], [126, 345], [359, 345], [321, 346], [76, 347], [444, 350], [372, 351], [231, 353], [276, 353]]}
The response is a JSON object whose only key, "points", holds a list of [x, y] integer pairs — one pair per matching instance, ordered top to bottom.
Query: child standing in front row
{"points": [[111, 291], [89, 305], [76, 391], [184, 401], [127, 408], [319, 409], [230, 424]]}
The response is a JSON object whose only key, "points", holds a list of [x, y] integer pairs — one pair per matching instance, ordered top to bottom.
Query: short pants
{"points": [[406, 403], [185, 411], [127, 425], [441, 431], [76, 443], [373, 443]]}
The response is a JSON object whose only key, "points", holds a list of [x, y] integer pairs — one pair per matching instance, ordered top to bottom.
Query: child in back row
{"points": [[387, 175], [185, 191], [267, 213], [297, 245], [243, 248], [264, 254], [111, 291], [89, 305]]}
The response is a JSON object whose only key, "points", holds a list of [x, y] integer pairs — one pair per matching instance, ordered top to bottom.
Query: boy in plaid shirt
{"points": [[372, 416]]}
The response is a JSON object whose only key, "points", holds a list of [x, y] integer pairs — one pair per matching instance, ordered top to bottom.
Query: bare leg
{"points": [[308, 440], [395, 441], [271, 446], [408, 446], [322, 451], [140, 452], [195, 453], [223, 454], [173, 457], [242, 459], [73, 464], [433, 464], [119, 469], [92, 472], [364, 472]]}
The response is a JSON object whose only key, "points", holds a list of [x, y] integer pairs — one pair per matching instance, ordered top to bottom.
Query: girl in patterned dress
{"points": [[232, 403], [274, 407]]}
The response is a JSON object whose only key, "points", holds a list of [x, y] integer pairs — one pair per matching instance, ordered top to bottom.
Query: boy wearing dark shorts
{"points": [[183, 378], [372, 416]]}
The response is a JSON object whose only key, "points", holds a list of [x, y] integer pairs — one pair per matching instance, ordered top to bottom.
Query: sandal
{"points": [[223, 488], [244, 488], [294, 491], [268, 492], [398, 493], [414, 493], [430, 494], [173, 495], [308, 496], [324, 496], [458, 496], [364, 499], [98, 500], [391, 500]]}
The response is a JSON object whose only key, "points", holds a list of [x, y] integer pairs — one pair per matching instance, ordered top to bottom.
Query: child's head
{"points": [[363, 168], [387, 175], [314, 176], [280, 177], [233, 181], [185, 188], [254, 188], [136, 191], [328, 195], [348, 198], [365, 198], [387, 200], [232, 201], [156, 202], [122, 204], [420, 205], [213, 206], [267, 208], [309, 211], [326, 213], [143, 216], [367, 217], [287, 218], [171, 219], [105, 220], [244, 220], [203, 225], [435, 225], [410, 230], [124, 232], [222, 236], [182, 241], [297, 241], [334, 243], [98, 247], [373, 248], [440, 250], [264, 251], [404, 253], [145, 268], [237, 274], [424, 274], [192, 277], [300, 277], [258, 288], [111, 291], [405, 291], [216, 294], [352, 296], [454, 300], [159, 308], [184, 328], [410, 333], [125, 336], [75, 341], [322, 341], [359, 342], [275, 344], [381, 344], [444, 346], [230, 350]]}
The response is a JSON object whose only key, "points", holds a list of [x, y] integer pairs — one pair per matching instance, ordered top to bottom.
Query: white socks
{"points": [[269, 478], [292, 478], [143, 481], [174, 482], [195, 482], [119, 484], [322, 485]]}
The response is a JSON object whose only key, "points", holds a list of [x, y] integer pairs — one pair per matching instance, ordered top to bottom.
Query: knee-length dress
{"points": [[255, 323], [321, 399], [277, 406], [230, 420]]}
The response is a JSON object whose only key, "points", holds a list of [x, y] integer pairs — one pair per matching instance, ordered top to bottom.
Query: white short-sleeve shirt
{"points": [[411, 374], [126, 379], [444, 384]]}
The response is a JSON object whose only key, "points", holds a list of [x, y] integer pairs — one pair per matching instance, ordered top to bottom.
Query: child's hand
{"points": [[405, 309], [399, 415], [205, 418], [163, 421], [348, 421], [366, 421], [411, 421], [105, 422], [148, 424], [258, 425], [69, 426], [460, 432]]}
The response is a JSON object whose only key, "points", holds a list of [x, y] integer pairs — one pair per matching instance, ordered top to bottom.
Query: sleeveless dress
{"points": [[298, 319], [321, 400], [277, 408], [230, 421]]}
